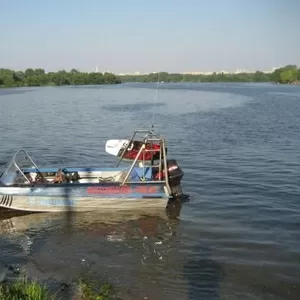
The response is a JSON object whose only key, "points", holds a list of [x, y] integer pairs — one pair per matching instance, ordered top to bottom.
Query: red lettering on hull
{"points": [[146, 189], [122, 190]]}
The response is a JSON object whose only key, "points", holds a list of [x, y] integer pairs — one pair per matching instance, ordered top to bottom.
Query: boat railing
{"points": [[145, 131], [150, 137], [19, 166]]}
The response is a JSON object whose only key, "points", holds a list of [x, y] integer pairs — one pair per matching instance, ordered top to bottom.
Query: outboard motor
{"points": [[175, 172], [175, 175]]}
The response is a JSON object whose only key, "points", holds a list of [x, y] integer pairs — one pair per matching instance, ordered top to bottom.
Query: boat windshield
{"points": [[13, 172]]}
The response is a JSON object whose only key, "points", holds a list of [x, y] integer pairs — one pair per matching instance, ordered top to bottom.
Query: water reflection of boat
{"points": [[146, 182], [12, 222], [65, 246]]}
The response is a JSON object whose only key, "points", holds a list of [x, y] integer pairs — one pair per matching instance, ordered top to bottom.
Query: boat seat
{"points": [[137, 174], [88, 180]]}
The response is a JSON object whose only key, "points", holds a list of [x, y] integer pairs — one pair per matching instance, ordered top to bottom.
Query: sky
{"points": [[126, 36]]}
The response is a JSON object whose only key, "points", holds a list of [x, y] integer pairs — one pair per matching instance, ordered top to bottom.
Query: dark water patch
{"points": [[257, 90], [14, 91], [131, 107], [204, 274]]}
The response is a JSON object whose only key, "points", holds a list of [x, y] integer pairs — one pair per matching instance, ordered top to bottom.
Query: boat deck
{"points": [[92, 175]]}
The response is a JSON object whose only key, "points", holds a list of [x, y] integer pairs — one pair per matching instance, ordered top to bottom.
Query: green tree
{"points": [[29, 72], [39, 72], [288, 76], [19, 77], [260, 77], [8, 81]]}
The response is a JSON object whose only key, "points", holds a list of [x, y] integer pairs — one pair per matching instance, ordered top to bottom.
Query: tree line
{"points": [[289, 74], [38, 77]]}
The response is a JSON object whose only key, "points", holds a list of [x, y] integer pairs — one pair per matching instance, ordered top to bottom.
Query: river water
{"points": [[238, 144]]}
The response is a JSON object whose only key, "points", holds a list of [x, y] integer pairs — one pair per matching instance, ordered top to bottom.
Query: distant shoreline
{"points": [[289, 74], [38, 77], [53, 85], [69, 85]]}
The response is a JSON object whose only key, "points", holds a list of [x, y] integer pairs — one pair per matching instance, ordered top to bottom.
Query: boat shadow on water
{"points": [[204, 275]]}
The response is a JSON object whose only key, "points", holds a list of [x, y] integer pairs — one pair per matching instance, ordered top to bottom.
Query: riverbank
{"points": [[51, 85], [24, 288]]}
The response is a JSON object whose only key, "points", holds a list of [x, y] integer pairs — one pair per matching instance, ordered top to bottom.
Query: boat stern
{"points": [[175, 175]]}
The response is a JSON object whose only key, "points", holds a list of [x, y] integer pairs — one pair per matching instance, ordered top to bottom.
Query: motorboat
{"points": [[147, 179]]}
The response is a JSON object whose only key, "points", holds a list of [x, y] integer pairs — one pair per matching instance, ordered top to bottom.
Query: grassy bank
{"points": [[25, 289]]}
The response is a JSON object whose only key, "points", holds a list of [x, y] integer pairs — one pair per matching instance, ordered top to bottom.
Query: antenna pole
{"points": [[154, 100]]}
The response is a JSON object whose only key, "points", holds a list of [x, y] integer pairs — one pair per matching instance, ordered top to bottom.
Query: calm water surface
{"points": [[238, 144]]}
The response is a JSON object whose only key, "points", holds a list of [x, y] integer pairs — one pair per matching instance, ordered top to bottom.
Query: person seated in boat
{"points": [[59, 177], [74, 177], [29, 178], [40, 179]]}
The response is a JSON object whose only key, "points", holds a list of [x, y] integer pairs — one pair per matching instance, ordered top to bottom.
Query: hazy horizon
{"points": [[171, 36]]}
